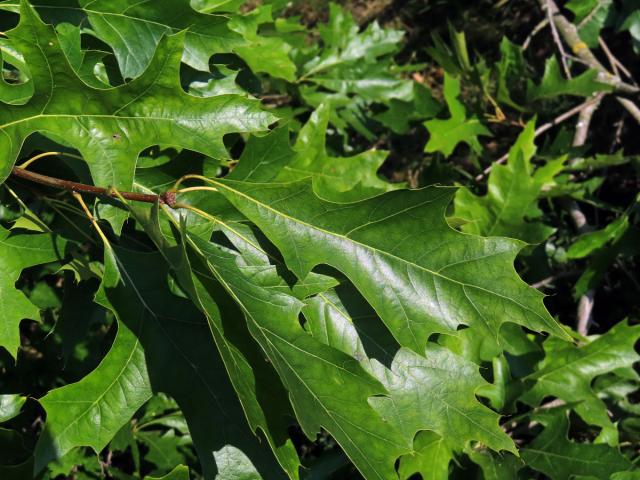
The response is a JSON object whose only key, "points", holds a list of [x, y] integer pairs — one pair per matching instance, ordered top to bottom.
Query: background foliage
{"points": [[385, 239]]}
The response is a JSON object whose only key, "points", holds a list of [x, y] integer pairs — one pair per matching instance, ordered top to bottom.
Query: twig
{"points": [[534, 32], [569, 33], [556, 39], [615, 63], [631, 107], [540, 130], [167, 197], [549, 280], [584, 314]]}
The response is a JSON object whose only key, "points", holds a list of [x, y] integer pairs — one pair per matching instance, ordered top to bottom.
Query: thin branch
{"points": [[534, 32], [569, 33], [556, 39], [615, 63], [631, 107], [541, 129], [167, 197], [584, 314]]}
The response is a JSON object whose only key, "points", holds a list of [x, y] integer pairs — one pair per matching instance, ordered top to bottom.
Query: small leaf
{"points": [[553, 84], [445, 135], [10, 406]]}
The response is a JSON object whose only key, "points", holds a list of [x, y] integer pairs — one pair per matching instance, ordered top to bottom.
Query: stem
{"points": [[48, 154], [84, 188], [91, 218]]}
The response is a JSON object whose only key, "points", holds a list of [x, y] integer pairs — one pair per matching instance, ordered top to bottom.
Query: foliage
{"points": [[259, 248]]}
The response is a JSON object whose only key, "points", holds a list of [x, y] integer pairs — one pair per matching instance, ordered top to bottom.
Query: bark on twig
{"points": [[167, 197]]}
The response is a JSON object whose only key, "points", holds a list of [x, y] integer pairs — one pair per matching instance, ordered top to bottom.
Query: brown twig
{"points": [[534, 32], [570, 35], [556, 39], [167, 197], [584, 314]]}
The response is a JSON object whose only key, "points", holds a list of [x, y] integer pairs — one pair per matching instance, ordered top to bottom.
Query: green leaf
{"points": [[590, 17], [134, 29], [344, 45], [262, 54], [553, 84], [13, 93], [111, 127], [445, 135], [335, 178], [510, 207], [589, 242], [18, 252], [431, 285], [182, 359], [567, 372], [259, 389], [328, 389], [436, 392], [10, 406], [91, 411], [164, 450], [430, 459], [561, 459], [234, 465], [496, 466], [181, 472]]}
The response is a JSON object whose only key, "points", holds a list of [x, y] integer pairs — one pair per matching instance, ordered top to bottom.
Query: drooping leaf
{"points": [[111, 127], [445, 135], [510, 206], [18, 252], [430, 272], [182, 360], [258, 388], [328, 389], [553, 454]]}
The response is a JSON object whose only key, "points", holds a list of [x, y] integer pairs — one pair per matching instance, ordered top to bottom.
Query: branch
{"points": [[570, 35], [167, 198], [584, 317]]}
